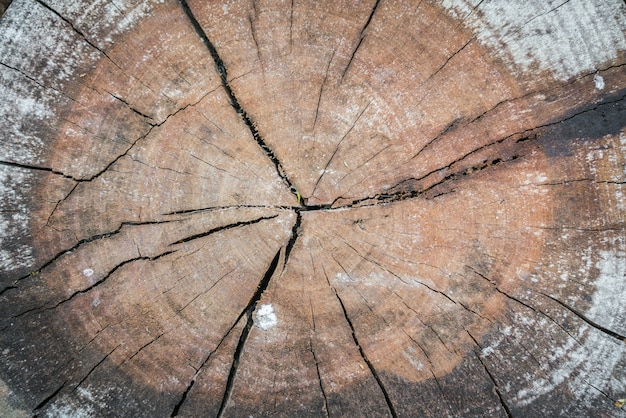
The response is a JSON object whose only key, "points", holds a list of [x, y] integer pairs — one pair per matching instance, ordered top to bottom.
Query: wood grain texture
{"points": [[293, 208]]}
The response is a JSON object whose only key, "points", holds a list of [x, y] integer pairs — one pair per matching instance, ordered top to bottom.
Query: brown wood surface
{"points": [[313, 208]]}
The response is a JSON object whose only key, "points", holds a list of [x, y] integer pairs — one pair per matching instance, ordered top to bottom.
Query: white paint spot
{"points": [[225, 8], [566, 38], [598, 81], [88, 272], [96, 302], [265, 317]]}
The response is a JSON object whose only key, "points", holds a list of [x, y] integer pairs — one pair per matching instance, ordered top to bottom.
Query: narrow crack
{"points": [[519, 28], [361, 37], [95, 47], [222, 71], [38, 82], [319, 96], [128, 105], [457, 122], [518, 137], [339, 146], [38, 168], [216, 208], [222, 228], [294, 236], [82, 242], [93, 286], [527, 306], [249, 312], [586, 319], [142, 347], [316, 361], [96, 366], [371, 367], [198, 370], [50, 397], [505, 406]]}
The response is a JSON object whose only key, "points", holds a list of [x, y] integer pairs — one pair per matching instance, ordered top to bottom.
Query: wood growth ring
{"points": [[298, 208]]}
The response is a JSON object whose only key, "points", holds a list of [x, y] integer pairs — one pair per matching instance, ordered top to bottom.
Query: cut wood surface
{"points": [[313, 208]]}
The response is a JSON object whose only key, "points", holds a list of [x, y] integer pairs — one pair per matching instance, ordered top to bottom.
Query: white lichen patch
{"points": [[104, 16], [565, 38], [13, 219], [608, 307], [265, 317], [589, 365], [6, 410]]}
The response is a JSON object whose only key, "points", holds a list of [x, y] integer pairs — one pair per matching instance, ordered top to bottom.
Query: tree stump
{"points": [[298, 208]]}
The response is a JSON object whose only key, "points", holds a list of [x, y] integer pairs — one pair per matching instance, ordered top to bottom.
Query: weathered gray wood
{"points": [[382, 208]]}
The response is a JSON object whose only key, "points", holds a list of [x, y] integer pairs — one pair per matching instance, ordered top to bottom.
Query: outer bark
{"points": [[313, 208]]}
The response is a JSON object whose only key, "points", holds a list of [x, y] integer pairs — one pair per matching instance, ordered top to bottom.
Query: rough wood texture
{"points": [[298, 208]]}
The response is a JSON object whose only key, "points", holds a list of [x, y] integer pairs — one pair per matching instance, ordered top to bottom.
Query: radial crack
{"points": [[361, 37], [222, 71], [319, 96], [338, 146], [38, 168], [222, 228], [85, 241], [97, 283], [249, 310], [586, 319], [96, 366], [371, 367], [49, 397], [505, 406]]}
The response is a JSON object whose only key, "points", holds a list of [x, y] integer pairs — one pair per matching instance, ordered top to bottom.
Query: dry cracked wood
{"points": [[298, 208]]}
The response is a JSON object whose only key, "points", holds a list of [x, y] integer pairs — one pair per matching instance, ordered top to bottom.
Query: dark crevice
{"points": [[361, 37], [94, 46], [222, 71], [38, 82], [143, 115], [456, 123], [37, 168], [400, 195], [213, 208], [222, 228], [294, 236], [85, 241], [96, 284], [527, 306], [248, 311], [586, 319], [142, 347], [96, 366], [371, 367], [184, 395], [49, 398], [503, 403]]}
